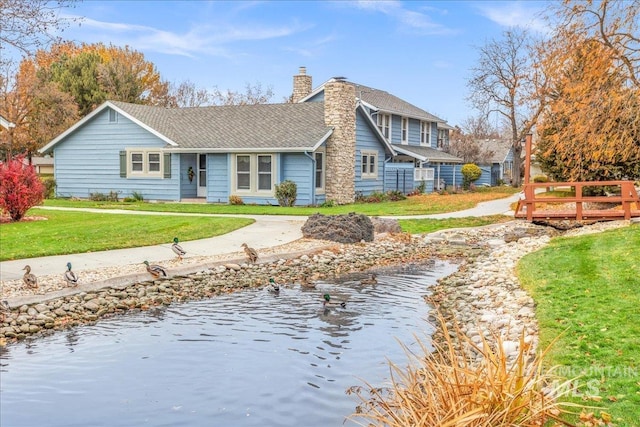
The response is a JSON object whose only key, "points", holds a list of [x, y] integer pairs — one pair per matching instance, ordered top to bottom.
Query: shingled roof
{"points": [[392, 104], [262, 126], [282, 127], [426, 154]]}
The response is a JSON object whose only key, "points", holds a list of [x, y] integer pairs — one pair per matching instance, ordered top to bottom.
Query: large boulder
{"points": [[351, 228]]}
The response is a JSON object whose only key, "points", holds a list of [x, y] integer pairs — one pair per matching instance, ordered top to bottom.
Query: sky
{"points": [[420, 51]]}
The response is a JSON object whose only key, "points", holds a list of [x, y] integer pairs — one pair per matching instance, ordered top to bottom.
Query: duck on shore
{"points": [[177, 249], [252, 254], [155, 270], [70, 277], [29, 279]]}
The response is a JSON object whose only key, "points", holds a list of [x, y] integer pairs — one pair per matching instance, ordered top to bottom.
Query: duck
{"points": [[177, 248], [252, 254], [155, 270], [70, 277], [29, 279], [371, 280], [273, 286], [327, 301]]}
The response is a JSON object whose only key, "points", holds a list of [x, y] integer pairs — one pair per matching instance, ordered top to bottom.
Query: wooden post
{"points": [[529, 193]]}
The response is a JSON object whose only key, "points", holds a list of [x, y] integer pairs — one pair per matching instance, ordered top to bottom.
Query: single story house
{"points": [[335, 142]]}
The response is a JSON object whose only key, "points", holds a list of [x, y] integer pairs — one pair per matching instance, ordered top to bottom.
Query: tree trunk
{"points": [[516, 181]]}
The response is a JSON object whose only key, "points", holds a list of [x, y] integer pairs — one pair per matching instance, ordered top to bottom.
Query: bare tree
{"points": [[28, 25], [508, 81], [186, 94]]}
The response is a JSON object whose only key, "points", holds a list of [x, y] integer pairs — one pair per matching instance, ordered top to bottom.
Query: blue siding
{"points": [[319, 97], [367, 140], [88, 161], [299, 168], [446, 173], [399, 176], [218, 177]]}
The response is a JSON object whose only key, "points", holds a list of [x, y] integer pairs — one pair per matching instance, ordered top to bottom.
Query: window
{"points": [[113, 116], [384, 124], [405, 130], [424, 133], [442, 138], [319, 157], [153, 160], [144, 163], [137, 164], [369, 164], [243, 172], [254, 173], [264, 173]]}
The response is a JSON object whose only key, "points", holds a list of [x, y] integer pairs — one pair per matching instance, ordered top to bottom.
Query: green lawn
{"points": [[416, 205], [418, 226], [75, 232], [587, 291]]}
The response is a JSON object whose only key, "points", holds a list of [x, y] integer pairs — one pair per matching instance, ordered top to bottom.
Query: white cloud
{"points": [[515, 14], [410, 20], [199, 39]]}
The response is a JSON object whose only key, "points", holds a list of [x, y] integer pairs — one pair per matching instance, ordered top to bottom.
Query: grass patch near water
{"points": [[427, 225], [79, 232], [587, 290]]}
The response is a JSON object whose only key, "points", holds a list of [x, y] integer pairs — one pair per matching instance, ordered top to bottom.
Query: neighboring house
{"points": [[6, 123], [334, 142], [499, 167]]}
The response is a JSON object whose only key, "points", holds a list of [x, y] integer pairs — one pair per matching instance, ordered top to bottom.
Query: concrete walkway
{"points": [[266, 231]]}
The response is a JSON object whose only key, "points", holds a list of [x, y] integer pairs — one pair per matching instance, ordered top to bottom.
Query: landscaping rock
{"points": [[351, 228]]}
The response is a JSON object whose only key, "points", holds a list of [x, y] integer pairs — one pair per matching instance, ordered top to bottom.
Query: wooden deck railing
{"points": [[624, 194]]}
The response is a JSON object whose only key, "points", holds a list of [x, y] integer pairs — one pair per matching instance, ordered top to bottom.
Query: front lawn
{"points": [[416, 205], [77, 232], [587, 291]]}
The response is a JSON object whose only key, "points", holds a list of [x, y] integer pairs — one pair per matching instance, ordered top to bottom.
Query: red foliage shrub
{"points": [[20, 188]]}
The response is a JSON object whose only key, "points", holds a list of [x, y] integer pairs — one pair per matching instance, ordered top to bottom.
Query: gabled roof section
{"points": [[383, 101], [283, 127], [375, 129], [499, 148], [426, 154]]}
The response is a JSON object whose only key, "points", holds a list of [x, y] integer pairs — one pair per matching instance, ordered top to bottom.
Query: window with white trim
{"points": [[384, 124], [405, 131], [424, 133], [319, 157], [144, 163], [369, 164], [253, 173]]}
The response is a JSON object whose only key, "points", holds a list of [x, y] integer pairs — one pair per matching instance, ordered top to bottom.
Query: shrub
{"points": [[470, 173], [540, 178], [421, 187], [20, 188], [49, 188], [286, 193], [395, 195], [137, 196], [101, 197], [235, 200], [328, 204], [443, 387]]}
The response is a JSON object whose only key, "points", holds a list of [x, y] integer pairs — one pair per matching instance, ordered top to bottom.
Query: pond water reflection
{"points": [[251, 358]]}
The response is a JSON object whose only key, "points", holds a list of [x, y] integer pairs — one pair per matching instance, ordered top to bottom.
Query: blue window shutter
{"points": [[123, 164], [167, 165]]}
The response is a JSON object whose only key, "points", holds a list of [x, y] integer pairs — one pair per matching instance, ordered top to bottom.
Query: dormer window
{"points": [[384, 124], [405, 131], [424, 133]]}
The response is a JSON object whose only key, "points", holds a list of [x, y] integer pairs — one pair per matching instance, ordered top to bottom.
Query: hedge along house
{"points": [[331, 148]]}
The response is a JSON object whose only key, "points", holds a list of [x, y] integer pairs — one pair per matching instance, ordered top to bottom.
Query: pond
{"points": [[251, 358]]}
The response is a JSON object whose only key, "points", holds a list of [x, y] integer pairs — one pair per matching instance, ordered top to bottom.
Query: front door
{"points": [[202, 175]]}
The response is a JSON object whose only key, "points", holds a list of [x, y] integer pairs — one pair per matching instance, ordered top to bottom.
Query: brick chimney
{"points": [[301, 85], [340, 113]]}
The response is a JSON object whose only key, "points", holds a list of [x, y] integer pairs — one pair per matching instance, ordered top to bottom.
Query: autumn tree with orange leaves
{"points": [[591, 127]]}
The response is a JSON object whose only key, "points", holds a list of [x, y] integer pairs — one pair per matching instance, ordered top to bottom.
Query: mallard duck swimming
{"points": [[177, 248], [252, 254], [155, 270], [70, 277], [29, 279], [371, 280], [273, 286], [327, 301]]}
